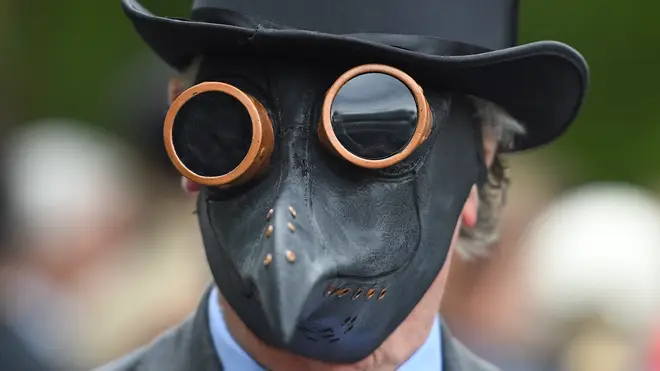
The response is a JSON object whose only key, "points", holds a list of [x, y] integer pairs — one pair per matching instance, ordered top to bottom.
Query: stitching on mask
{"points": [[271, 85]]}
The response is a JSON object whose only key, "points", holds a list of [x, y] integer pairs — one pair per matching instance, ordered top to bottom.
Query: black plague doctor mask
{"points": [[337, 151]]}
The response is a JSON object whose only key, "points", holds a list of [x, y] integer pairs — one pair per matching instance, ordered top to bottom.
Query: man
{"points": [[338, 159]]}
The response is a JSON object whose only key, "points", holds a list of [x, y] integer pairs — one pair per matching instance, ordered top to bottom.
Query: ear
{"points": [[174, 89], [490, 148], [189, 186], [469, 213]]}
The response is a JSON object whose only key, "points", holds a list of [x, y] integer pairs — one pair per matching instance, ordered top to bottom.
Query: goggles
{"points": [[373, 116]]}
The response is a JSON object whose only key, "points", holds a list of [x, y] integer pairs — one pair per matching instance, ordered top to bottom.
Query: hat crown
{"points": [[491, 24]]}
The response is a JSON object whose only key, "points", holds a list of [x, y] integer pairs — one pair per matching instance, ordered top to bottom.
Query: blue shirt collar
{"points": [[234, 358]]}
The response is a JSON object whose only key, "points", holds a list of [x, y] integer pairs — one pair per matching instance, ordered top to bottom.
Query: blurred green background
{"points": [[64, 54]]}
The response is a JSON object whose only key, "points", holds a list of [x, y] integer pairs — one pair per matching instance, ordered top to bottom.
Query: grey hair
{"points": [[496, 123], [474, 242]]}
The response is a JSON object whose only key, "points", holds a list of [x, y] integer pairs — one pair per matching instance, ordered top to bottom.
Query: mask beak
{"points": [[294, 273]]}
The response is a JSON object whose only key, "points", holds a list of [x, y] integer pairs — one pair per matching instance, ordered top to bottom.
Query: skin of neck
{"points": [[395, 350]]}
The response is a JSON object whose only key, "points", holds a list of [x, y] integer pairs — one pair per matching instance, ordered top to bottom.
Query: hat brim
{"points": [[541, 84]]}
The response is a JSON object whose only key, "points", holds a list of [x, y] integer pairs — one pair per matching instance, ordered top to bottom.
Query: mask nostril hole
{"points": [[330, 290], [343, 292], [329, 334]]}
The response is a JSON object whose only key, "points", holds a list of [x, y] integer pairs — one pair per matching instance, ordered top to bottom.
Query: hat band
{"points": [[488, 23], [415, 43], [423, 44]]}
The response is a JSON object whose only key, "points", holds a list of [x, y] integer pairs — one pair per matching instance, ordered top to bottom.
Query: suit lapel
{"points": [[201, 354], [456, 357], [450, 358]]}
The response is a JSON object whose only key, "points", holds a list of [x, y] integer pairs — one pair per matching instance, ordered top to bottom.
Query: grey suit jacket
{"points": [[189, 347]]}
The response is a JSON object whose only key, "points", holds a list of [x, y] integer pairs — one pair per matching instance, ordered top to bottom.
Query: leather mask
{"points": [[316, 255]]}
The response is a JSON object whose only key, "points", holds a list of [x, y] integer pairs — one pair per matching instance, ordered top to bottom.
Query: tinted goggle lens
{"points": [[374, 116], [212, 133], [217, 135]]}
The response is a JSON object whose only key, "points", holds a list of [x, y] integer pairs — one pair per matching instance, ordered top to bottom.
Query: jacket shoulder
{"points": [[186, 347], [166, 353], [457, 357], [472, 362]]}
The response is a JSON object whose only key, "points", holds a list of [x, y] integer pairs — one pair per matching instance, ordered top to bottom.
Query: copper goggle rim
{"points": [[423, 116], [258, 136]]}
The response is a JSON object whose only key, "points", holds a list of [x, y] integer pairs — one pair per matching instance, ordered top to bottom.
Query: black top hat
{"points": [[467, 46]]}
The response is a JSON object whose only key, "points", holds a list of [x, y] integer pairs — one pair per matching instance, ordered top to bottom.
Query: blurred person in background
{"points": [[72, 205], [592, 264], [164, 272], [485, 302], [15, 353]]}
